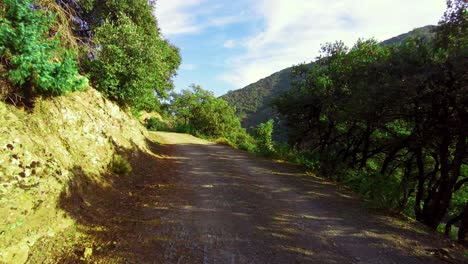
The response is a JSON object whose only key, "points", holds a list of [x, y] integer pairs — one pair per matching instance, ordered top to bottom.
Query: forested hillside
{"points": [[427, 33], [253, 102]]}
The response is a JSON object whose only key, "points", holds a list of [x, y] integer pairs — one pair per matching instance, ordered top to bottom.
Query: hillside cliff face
{"points": [[253, 102], [65, 143]]}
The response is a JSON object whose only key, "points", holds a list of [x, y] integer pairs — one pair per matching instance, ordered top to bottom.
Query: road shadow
{"points": [[198, 203], [108, 208], [283, 215]]}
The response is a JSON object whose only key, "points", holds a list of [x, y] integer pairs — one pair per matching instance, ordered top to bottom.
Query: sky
{"points": [[228, 44]]}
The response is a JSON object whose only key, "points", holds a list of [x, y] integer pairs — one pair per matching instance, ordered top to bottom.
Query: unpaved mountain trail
{"points": [[208, 203]]}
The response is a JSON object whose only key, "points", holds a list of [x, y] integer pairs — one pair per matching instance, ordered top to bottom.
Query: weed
{"points": [[120, 166]]}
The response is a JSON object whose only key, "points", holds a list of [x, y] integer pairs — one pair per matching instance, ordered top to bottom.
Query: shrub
{"points": [[35, 61], [205, 115], [156, 124], [184, 128], [263, 135], [225, 141], [247, 146], [120, 166], [382, 192]]}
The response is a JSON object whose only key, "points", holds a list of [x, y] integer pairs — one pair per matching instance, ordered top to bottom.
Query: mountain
{"points": [[426, 32], [253, 101]]}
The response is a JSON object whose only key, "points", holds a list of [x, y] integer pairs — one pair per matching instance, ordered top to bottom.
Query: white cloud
{"points": [[175, 16], [178, 17], [223, 21], [293, 30], [229, 44], [188, 67]]}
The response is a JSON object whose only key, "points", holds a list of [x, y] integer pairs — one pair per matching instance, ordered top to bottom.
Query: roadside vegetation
{"points": [[50, 47], [198, 112], [391, 121], [59, 151]]}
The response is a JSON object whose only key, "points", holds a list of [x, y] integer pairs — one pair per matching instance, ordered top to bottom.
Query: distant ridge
{"points": [[426, 32]]}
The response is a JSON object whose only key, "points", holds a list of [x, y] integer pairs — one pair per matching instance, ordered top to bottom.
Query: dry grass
{"points": [[64, 24], [7, 93]]}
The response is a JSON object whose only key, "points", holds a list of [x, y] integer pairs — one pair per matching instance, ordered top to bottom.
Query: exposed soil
{"points": [[64, 141], [199, 202]]}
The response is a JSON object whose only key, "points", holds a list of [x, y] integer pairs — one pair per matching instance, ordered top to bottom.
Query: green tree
{"points": [[93, 12], [31, 52], [124, 52], [132, 67], [204, 114], [391, 120]]}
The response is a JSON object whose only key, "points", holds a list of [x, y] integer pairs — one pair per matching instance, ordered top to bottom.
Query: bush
{"points": [[35, 61], [204, 114], [156, 124], [184, 128], [263, 135], [225, 141], [247, 146], [120, 166], [381, 192]]}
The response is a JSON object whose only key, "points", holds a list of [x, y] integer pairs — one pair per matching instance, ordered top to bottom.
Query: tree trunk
{"points": [[28, 91], [366, 146], [420, 189], [451, 222], [463, 227]]}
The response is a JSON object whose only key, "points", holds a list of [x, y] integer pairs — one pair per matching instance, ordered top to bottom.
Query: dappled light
{"points": [[358, 156], [189, 205]]}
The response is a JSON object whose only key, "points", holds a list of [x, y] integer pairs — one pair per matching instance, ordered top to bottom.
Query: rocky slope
{"points": [[66, 143]]}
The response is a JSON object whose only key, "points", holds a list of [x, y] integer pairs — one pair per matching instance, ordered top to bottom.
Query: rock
{"points": [[88, 252], [15, 254]]}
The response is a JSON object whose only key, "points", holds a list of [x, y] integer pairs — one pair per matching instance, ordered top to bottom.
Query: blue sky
{"points": [[226, 45]]}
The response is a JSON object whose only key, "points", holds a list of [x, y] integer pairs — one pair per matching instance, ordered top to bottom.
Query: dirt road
{"points": [[210, 203]]}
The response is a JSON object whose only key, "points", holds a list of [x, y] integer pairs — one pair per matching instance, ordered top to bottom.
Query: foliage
{"points": [[92, 13], [123, 51], [31, 52], [132, 67], [253, 103], [200, 113], [390, 121], [156, 124], [184, 128], [263, 135], [224, 141], [247, 146], [120, 166]]}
